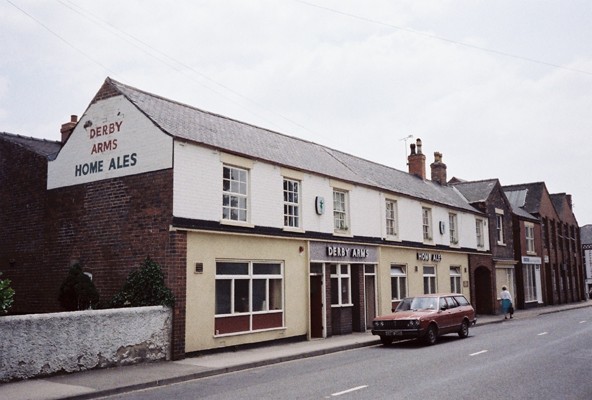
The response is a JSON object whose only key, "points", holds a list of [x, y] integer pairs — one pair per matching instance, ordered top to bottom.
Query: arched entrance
{"points": [[483, 291]]}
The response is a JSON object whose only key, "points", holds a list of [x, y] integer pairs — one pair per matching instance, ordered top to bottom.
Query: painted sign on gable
{"points": [[113, 139]]}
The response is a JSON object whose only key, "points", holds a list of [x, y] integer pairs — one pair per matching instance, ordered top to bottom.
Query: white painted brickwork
{"points": [[112, 139], [198, 195], [44, 344]]}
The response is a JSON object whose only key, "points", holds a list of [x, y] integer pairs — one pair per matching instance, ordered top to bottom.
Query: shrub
{"points": [[144, 287], [78, 292], [6, 294]]}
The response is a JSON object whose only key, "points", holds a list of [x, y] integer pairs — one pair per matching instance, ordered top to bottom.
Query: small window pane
{"points": [[232, 268], [267, 269], [241, 295], [259, 295], [223, 296]]}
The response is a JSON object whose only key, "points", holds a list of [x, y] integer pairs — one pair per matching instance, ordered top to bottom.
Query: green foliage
{"points": [[144, 287], [78, 292], [6, 293]]}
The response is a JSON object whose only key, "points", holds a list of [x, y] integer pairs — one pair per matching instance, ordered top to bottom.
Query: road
{"points": [[547, 357]]}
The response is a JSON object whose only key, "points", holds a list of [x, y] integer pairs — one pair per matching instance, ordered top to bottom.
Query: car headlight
{"points": [[414, 323], [378, 324]]}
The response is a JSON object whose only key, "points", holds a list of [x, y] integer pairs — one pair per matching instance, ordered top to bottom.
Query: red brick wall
{"points": [[22, 204]]}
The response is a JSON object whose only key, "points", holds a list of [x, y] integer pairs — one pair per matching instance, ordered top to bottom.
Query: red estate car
{"points": [[426, 317]]}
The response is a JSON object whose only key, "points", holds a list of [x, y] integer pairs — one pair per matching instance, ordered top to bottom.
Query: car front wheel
{"points": [[464, 329], [430, 336], [386, 340]]}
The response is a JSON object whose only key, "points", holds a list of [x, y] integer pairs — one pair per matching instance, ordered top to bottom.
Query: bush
{"points": [[144, 287], [78, 292], [6, 294]]}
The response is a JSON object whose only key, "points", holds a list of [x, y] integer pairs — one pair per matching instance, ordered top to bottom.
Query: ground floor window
{"points": [[455, 276], [429, 280], [398, 282], [340, 285], [530, 289], [249, 296]]}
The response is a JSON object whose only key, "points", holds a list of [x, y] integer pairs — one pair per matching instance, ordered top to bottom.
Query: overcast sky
{"points": [[502, 88]]}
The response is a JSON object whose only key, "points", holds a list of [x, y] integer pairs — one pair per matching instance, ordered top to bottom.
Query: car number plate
{"points": [[394, 333]]}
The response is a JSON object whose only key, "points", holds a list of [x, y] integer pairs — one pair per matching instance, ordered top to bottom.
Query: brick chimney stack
{"points": [[68, 128], [416, 160], [438, 169]]}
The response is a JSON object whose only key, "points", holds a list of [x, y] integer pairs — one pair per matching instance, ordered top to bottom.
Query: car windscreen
{"points": [[418, 303]]}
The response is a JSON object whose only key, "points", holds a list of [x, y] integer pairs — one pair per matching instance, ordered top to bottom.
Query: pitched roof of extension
{"points": [[220, 132], [43, 147], [476, 191], [479, 191], [528, 196]]}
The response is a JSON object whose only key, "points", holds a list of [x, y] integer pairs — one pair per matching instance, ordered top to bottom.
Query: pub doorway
{"points": [[317, 309]]}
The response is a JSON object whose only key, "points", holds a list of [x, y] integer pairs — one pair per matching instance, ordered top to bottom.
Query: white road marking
{"points": [[582, 322], [543, 333], [477, 353], [349, 390]]}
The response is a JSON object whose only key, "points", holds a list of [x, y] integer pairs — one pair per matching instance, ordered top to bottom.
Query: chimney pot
{"points": [[68, 128], [416, 160], [438, 169]]}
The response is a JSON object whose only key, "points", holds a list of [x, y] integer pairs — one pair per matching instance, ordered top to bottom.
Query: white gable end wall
{"points": [[112, 139]]}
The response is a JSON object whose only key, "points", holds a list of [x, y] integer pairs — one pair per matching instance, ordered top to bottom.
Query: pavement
{"points": [[98, 383]]}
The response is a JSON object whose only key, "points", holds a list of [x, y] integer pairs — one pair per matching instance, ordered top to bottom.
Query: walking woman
{"points": [[507, 307]]}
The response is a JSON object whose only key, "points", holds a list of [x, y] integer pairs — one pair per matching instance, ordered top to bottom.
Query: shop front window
{"points": [[249, 296]]}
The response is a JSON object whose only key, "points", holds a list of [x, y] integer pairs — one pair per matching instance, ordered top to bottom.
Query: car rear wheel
{"points": [[464, 329], [431, 335], [386, 340]]}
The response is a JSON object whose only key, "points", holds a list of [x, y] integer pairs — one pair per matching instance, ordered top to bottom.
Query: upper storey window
{"points": [[235, 194], [291, 203], [426, 214], [340, 217], [391, 217], [499, 226], [453, 228], [479, 232], [529, 232]]}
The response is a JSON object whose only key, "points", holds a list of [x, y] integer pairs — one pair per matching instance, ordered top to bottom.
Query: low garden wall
{"points": [[45, 344]]}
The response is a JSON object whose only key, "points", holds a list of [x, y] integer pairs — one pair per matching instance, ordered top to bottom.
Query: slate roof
{"points": [[216, 131], [43, 147], [476, 191], [528, 193], [558, 200], [586, 234]]}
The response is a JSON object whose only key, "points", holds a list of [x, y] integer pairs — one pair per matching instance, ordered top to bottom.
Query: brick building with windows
{"points": [[261, 236], [562, 269], [490, 274]]}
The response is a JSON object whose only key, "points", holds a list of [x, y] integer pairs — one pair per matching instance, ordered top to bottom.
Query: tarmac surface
{"points": [[104, 382]]}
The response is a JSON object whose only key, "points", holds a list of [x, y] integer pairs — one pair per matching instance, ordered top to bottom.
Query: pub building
{"points": [[261, 236]]}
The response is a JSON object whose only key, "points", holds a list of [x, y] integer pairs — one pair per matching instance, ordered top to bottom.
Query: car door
{"points": [[444, 315], [456, 315]]}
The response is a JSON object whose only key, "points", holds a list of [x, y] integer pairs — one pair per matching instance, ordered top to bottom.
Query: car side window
{"points": [[461, 300], [451, 302], [443, 303]]}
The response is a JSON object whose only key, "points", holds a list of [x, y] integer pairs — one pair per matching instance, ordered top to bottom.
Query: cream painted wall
{"points": [[207, 249], [408, 257]]}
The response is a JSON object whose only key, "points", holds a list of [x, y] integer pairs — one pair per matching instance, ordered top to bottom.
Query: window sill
{"points": [[236, 223], [292, 229], [343, 233], [341, 305], [223, 335]]}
